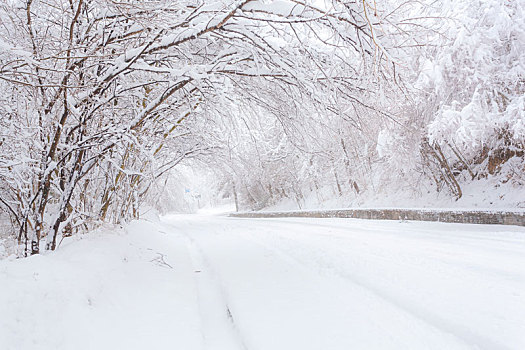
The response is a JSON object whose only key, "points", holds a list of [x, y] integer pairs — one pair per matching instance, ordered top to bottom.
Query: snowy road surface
{"points": [[207, 282]]}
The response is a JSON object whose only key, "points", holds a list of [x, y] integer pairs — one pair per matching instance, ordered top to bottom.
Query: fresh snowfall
{"points": [[248, 174], [212, 282]]}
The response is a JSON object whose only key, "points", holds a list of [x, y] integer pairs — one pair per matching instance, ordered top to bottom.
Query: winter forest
{"points": [[105, 105], [262, 174]]}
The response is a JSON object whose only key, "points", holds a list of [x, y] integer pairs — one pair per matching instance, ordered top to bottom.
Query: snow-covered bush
{"points": [[478, 78]]}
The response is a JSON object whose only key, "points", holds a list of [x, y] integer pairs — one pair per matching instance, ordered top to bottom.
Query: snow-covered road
{"points": [[269, 284], [355, 284]]}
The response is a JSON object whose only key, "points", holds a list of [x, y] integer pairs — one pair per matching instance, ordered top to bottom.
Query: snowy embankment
{"points": [[492, 194], [204, 282], [119, 289]]}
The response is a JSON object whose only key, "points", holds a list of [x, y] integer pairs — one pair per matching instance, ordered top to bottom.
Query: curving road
{"points": [[355, 284]]}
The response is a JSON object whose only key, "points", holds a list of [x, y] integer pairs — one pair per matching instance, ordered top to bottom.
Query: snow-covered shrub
{"points": [[478, 79]]}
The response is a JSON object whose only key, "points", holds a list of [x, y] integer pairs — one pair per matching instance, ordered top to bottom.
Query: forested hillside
{"points": [[102, 101], [448, 127]]}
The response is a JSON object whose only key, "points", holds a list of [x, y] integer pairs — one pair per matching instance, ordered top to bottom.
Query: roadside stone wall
{"points": [[457, 216]]}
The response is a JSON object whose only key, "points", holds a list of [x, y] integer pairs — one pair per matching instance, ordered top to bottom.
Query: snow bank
{"points": [[484, 194], [116, 288]]}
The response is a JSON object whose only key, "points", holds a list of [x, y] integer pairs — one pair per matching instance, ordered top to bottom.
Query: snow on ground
{"points": [[483, 194], [211, 282], [108, 290]]}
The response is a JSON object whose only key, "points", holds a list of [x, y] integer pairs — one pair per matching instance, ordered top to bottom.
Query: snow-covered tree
{"points": [[96, 90]]}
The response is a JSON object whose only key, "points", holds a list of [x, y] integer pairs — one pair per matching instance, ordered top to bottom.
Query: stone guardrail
{"points": [[454, 216]]}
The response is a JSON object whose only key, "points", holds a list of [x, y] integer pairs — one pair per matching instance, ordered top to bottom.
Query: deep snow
{"points": [[484, 194], [210, 282]]}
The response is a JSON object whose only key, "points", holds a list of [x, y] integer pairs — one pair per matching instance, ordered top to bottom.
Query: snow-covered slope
{"points": [[484, 194], [209, 282], [118, 289]]}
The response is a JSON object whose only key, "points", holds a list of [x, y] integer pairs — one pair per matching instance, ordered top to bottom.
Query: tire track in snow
{"points": [[468, 234], [512, 246], [310, 257], [311, 281], [219, 329], [462, 333]]}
